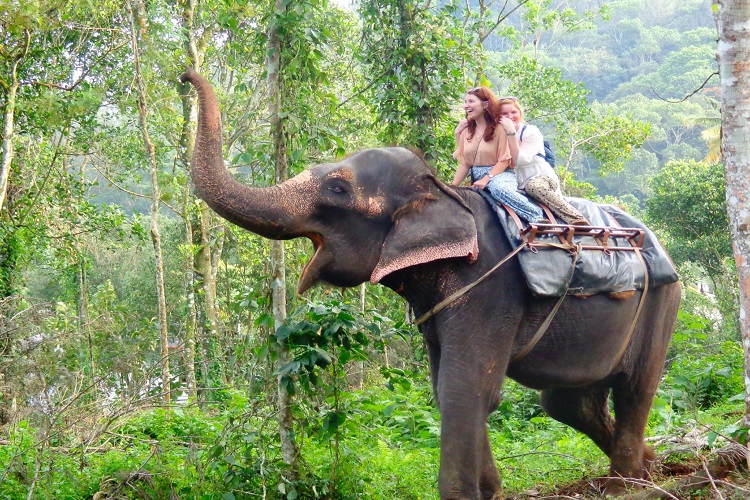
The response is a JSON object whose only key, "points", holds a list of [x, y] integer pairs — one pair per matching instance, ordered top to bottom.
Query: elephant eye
{"points": [[337, 189]]}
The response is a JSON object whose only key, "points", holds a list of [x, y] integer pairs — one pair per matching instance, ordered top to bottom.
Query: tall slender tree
{"points": [[138, 19], [194, 54], [733, 55], [289, 448]]}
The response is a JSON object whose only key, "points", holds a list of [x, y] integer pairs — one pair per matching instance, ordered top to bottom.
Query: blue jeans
{"points": [[504, 188]]}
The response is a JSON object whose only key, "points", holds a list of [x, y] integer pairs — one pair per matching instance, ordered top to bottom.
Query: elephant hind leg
{"points": [[585, 409], [631, 457]]}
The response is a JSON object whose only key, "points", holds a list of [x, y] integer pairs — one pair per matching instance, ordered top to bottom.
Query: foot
{"points": [[543, 221], [580, 222]]}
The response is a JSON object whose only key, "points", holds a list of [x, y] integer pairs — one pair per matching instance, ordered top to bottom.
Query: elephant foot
{"points": [[649, 460], [615, 486], [497, 495]]}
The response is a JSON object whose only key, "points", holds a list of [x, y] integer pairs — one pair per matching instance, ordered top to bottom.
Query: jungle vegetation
{"points": [[140, 352]]}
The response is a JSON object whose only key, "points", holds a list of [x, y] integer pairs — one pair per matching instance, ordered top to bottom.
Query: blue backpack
{"points": [[548, 154]]}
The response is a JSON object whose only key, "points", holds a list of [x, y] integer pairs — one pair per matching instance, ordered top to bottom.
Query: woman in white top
{"points": [[482, 150], [535, 176]]}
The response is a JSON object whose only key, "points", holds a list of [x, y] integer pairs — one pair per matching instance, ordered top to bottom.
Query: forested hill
{"points": [[640, 59], [150, 349]]}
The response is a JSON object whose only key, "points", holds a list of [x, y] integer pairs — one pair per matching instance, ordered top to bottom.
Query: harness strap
{"points": [[514, 216], [447, 301], [543, 328], [629, 335], [626, 343]]}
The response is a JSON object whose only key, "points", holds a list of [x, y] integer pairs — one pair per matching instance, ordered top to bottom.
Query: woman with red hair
{"points": [[482, 151]]}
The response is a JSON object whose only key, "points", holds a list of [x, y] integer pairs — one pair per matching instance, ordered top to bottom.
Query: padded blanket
{"points": [[550, 269]]}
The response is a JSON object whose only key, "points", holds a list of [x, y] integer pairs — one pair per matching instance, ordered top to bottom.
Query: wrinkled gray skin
{"points": [[381, 215]]}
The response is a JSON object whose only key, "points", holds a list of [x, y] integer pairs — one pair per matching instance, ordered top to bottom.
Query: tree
{"points": [[138, 19], [733, 53], [414, 54], [689, 205], [289, 449]]}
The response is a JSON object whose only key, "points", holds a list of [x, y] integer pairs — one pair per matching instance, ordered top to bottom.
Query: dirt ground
{"points": [[723, 475]]}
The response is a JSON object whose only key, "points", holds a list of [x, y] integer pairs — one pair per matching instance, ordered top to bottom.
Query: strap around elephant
{"points": [[448, 300], [543, 328], [629, 335]]}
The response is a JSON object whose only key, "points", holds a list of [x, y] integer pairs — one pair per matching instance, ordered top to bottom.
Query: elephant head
{"points": [[368, 215]]}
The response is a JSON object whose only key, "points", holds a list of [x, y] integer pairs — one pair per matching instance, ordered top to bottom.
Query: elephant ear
{"points": [[435, 224]]}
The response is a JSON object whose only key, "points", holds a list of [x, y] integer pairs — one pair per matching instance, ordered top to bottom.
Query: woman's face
{"points": [[474, 107], [509, 110]]}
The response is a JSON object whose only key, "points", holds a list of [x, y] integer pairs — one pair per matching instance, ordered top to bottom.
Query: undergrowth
{"points": [[377, 440]]}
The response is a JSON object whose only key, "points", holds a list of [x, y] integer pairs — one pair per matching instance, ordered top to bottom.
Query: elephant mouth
{"points": [[321, 257]]}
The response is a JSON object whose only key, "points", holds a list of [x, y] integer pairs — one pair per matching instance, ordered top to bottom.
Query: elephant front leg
{"points": [[467, 469], [490, 482]]}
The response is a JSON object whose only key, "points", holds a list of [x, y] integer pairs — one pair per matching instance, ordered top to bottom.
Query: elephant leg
{"points": [[433, 350], [468, 390], [585, 409], [631, 457], [490, 482]]}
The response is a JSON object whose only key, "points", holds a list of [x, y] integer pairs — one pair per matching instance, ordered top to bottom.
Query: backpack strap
{"points": [[520, 136]]}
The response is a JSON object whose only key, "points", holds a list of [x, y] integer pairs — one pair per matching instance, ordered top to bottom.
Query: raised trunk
{"points": [[272, 212]]}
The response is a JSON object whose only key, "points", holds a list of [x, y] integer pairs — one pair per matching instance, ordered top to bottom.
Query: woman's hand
{"points": [[508, 125], [482, 183]]}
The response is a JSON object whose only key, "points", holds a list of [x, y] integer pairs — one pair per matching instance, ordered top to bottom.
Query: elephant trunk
{"points": [[269, 211]]}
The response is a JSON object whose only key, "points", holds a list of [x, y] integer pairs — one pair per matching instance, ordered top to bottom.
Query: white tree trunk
{"points": [[733, 54], [8, 125], [289, 449]]}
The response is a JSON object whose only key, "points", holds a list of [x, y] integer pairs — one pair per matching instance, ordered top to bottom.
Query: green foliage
{"points": [[413, 54], [689, 205], [325, 334], [701, 372], [407, 410]]}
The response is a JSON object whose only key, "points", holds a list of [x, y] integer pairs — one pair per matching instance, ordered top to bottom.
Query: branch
{"points": [[502, 17], [16, 59], [83, 75], [372, 82], [691, 94], [133, 193]]}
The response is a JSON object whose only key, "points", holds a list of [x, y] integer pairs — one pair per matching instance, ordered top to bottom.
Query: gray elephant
{"points": [[382, 215]]}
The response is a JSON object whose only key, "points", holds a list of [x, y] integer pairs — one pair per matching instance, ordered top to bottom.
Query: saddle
{"points": [[616, 253]]}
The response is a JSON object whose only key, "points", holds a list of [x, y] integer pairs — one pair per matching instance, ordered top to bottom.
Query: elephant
{"points": [[383, 215]]}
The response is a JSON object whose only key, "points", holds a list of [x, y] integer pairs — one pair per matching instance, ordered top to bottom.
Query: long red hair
{"points": [[491, 112]]}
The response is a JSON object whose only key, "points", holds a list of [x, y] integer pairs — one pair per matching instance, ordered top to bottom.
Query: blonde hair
{"points": [[513, 101]]}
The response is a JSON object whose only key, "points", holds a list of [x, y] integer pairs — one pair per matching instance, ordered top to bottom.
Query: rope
{"points": [[447, 301], [543, 328], [629, 335]]}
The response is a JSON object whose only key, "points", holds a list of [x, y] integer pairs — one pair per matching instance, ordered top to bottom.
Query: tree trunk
{"points": [[194, 50], [733, 55], [8, 125], [155, 202], [204, 268], [83, 288], [192, 321], [289, 449]]}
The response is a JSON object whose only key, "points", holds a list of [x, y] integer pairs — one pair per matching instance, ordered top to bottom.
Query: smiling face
{"points": [[474, 107], [510, 110]]}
